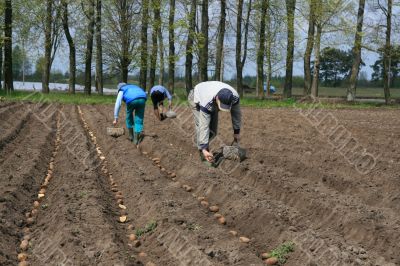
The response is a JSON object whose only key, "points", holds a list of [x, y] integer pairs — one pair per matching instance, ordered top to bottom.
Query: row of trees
{"points": [[155, 37]]}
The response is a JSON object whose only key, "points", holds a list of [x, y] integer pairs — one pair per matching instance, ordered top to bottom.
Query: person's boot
{"points": [[131, 135], [137, 138]]}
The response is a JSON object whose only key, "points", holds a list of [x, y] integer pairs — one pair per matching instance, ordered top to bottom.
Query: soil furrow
{"points": [[23, 163], [172, 201], [78, 221]]}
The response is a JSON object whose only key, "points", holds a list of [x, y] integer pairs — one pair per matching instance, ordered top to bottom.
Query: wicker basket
{"points": [[115, 131]]}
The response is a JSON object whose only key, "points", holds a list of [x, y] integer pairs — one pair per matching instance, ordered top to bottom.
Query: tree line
{"points": [[157, 38]]}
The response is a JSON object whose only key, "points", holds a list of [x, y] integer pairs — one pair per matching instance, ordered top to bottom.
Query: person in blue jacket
{"points": [[158, 94], [135, 100]]}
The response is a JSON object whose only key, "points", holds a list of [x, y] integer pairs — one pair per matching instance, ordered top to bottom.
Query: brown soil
{"points": [[294, 186]]}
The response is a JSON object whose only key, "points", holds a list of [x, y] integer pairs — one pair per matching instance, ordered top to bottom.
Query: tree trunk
{"points": [[290, 9], [125, 26], [220, 41], [203, 42], [143, 44], [189, 47], [269, 47], [89, 48], [309, 49], [99, 50], [261, 50], [72, 51], [161, 52], [387, 53], [171, 54], [153, 55], [47, 56], [1, 64], [239, 67], [8, 75], [315, 80], [351, 91]]}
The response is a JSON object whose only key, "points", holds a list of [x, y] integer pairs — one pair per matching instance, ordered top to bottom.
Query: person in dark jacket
{"points": [[158, 94], [135, 100]]}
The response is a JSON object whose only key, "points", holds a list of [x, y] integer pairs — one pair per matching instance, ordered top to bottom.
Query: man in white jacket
{"points": [[206, 100]]}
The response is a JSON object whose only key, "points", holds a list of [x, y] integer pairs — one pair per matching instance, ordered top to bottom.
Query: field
{"points": [[71, 195]]}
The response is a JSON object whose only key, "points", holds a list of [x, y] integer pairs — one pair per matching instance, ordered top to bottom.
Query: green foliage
{"points": [[335, 65], [377, 75], [150, 227], [281, 252]]}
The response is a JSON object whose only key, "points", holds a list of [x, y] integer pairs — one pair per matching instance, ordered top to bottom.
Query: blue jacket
{"points": [[128, 93]]}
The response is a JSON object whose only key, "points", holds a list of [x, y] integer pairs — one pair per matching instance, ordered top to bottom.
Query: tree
{"points": [[156, 5], [290, 10], [171, 38], [203, 42], [220, 42], [143, 44], [47, 45], [89, 46], [189, 47], [72, 49], [99, 49], [309, 49], [261, 50], [387, 51], [240, 61], [20, 63], [336, 65], [394, 65], [8, 75], [351, 91]]}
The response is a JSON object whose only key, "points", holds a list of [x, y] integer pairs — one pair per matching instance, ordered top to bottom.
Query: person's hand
{"points": [[115, 122], [236, 139], [208, 156]]}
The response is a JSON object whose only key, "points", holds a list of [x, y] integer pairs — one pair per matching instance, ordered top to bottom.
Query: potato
{"points": [[144, 153], [102, 158], [156, 159], [51, 166], [162, 169], [50, 172], [172, 175], [188, 188], [114, 189], [42, 191], [40, 196], [119, 196], [201, 198], [120, 201], [204, 203], [122, 206], [214, 208], [34, 212], [27, 214], [217, 215], [123, 218], [30, 220], [222, 220], [130, 227], [26, 230], [234, 233], [27, 237], [132, 237], [244, 239], [24, 245], [142, 254], [22, 256], [265, 256], [271, 261], [23, 263], [150, 264]]}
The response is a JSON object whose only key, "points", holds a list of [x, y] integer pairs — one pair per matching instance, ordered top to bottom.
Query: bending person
{"points": [[158, 94], [135, 100], [206, 100]]}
